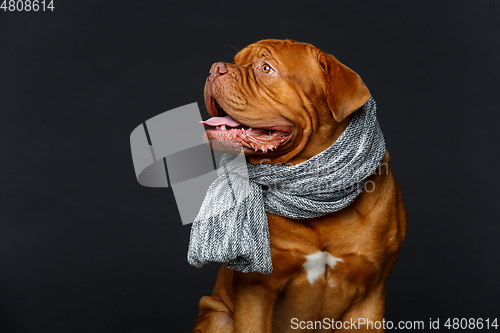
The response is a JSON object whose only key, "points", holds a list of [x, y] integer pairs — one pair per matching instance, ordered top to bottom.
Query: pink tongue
{"points": [[217, 121]]}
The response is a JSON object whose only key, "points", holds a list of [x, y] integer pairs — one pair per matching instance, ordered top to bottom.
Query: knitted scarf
{"points": [[231, 226]]}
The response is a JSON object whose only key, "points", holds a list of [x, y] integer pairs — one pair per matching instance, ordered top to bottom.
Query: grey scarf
{"points": [[231, 226]]}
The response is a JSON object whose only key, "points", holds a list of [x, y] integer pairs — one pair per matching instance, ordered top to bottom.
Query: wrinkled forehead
{"points": [[284, 53]]}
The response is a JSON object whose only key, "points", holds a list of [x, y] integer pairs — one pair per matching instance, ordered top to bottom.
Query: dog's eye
{"points": [[266, 68]]}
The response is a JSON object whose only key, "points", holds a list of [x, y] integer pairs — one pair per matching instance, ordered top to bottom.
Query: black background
{"points": [[85, 248]]}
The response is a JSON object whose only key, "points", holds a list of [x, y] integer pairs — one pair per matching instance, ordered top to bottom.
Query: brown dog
{"points": [[297, 101]]}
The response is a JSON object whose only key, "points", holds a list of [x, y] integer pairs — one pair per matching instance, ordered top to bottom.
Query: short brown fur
{"points": [[316, 93]]}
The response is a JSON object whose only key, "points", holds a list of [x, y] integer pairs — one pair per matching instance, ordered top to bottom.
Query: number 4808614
{"points": [[27, 5]]}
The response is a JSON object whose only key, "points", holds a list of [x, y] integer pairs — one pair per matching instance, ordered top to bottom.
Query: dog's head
{"points": [[283, 101]]}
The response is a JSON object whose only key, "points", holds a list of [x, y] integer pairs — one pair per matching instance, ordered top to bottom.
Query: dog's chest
{"points": [[329, 260], [318, 264], [318, 289]]}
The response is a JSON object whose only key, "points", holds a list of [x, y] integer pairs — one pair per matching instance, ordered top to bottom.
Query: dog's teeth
{"points": [[223, 127], [249, 128]]}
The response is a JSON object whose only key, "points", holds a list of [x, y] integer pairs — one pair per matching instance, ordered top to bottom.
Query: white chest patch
{"points": [[316, 263]]}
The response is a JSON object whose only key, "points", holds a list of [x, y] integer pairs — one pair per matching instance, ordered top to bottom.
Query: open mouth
{"points": [[225, 128]]}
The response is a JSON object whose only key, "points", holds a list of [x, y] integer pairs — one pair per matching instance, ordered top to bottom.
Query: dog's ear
{"points": [[345, 91]]}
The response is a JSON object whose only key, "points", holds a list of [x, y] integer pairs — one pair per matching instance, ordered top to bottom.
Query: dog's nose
{"points": [[219, 68]]}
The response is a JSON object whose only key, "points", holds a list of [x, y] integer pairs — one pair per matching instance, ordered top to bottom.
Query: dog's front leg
{"points": [[254, 299], [240, 302], [367, 315]]}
